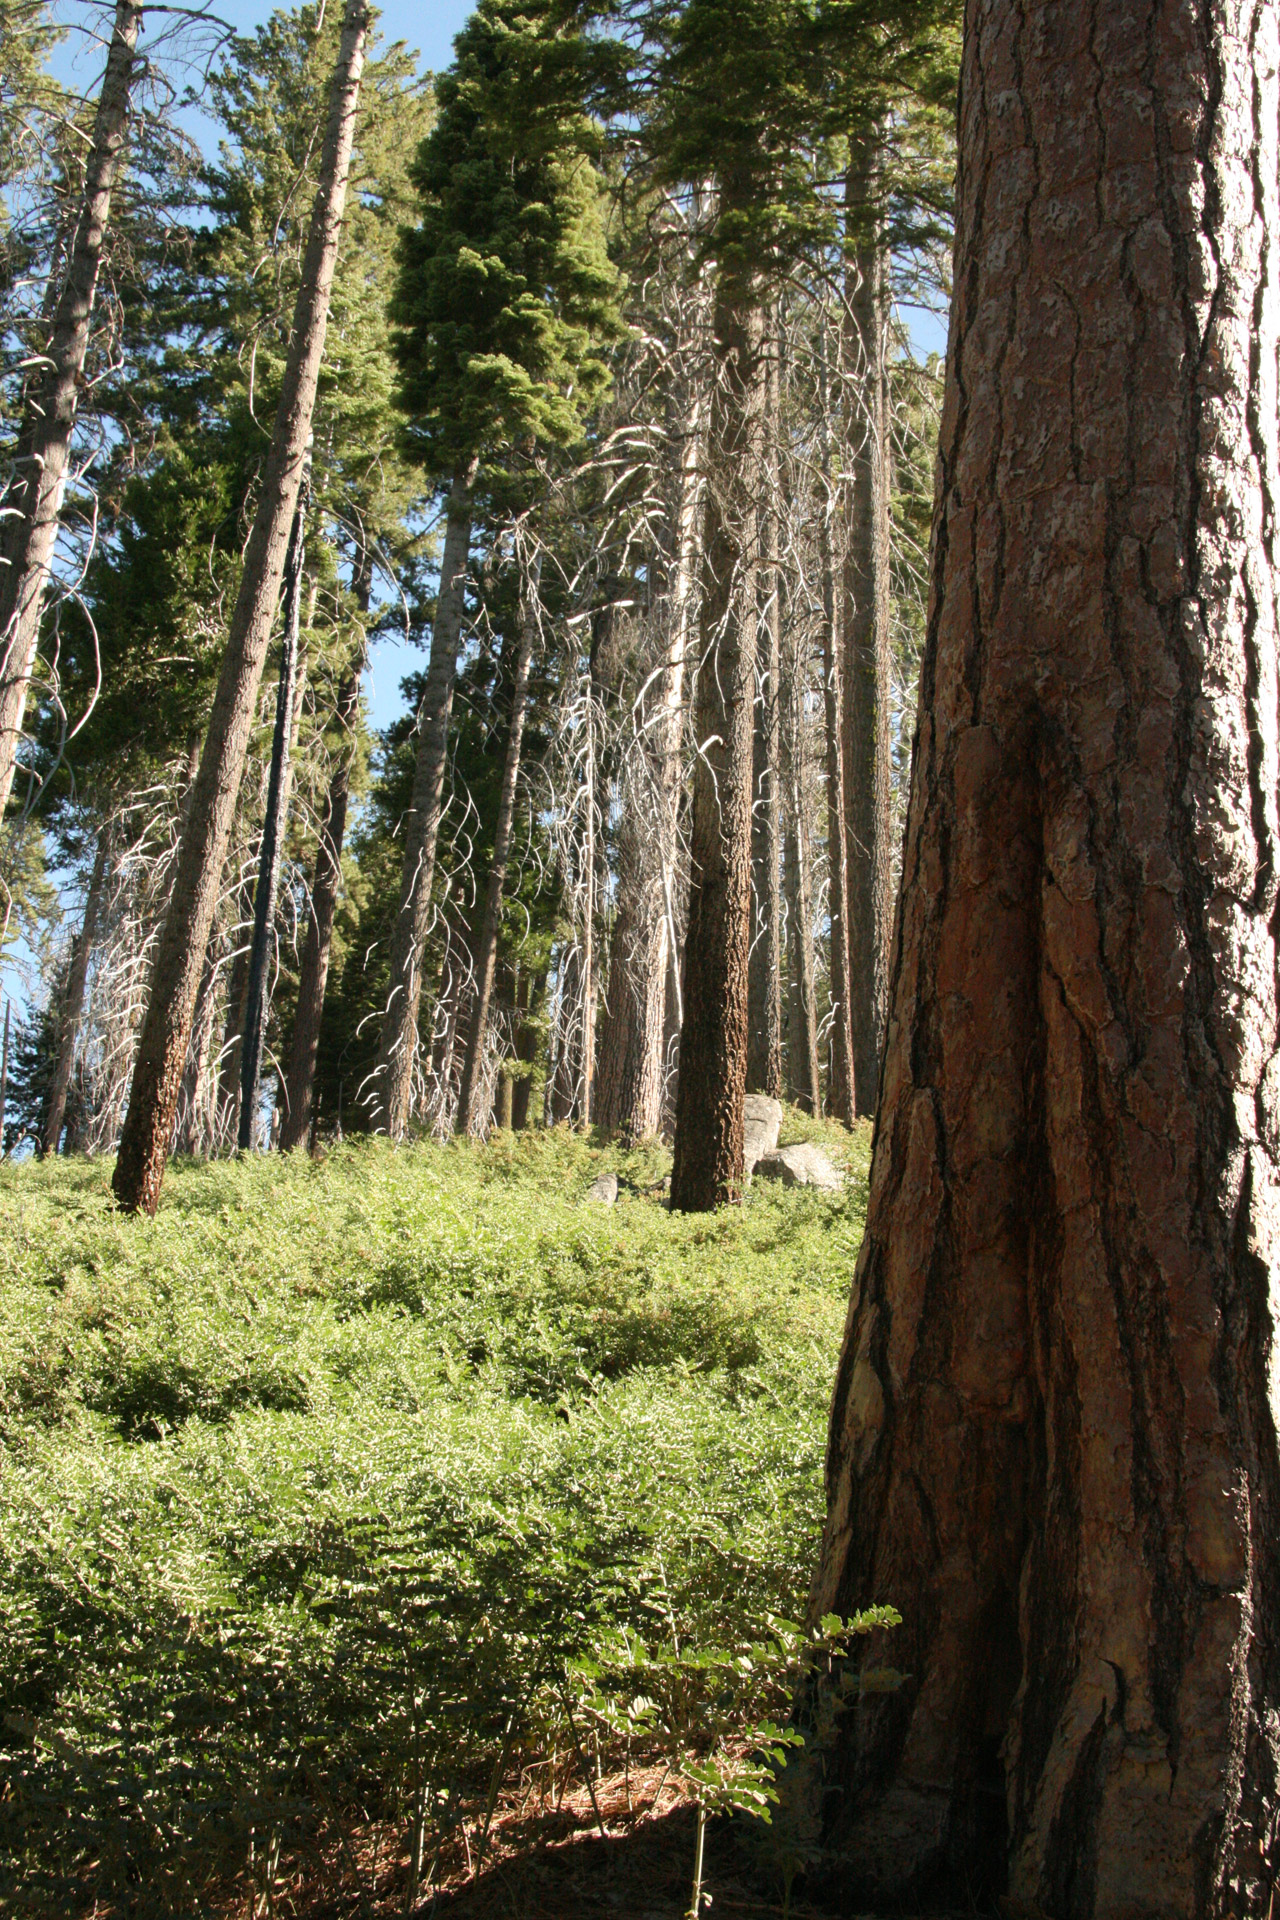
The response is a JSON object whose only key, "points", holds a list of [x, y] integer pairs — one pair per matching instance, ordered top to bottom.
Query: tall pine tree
{"points": [[507, 298]]}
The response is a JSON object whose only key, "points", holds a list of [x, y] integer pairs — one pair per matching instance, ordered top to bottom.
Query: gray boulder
{"points": [[761, 1119], [805, 1165], [603, 1189]]}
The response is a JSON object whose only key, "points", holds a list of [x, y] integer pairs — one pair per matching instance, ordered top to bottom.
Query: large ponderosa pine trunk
{"points": [[32, 503], [866, 636], [175, 982], [398, 1045], [707, 1163], [1054, 1436]]}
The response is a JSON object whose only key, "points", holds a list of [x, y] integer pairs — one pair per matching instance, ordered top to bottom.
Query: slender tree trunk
{"points": [[32, 504], [867, 633], [269, 852], [589, 928], [313, 973], [73, 1005], [232, 1033], [528, 1039], [764, 1044], [398, 1046], [4, 1070], [632, 1077], [629, 1079], [841, 1079], [564, 1081], [805, 1084], [470, 1119], [148, 1127], [193, 1128], [707, 1165], [1054, 1436]]}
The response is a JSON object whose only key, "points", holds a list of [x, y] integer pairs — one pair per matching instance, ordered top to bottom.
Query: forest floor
{"points": [[362, 1518]]}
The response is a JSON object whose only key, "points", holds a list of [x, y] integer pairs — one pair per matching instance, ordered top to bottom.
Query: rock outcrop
{"points": [[761, 1119], [804, 1165]]}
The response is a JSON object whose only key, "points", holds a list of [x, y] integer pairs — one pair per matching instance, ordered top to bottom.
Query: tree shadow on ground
{"points": [[641, 1874]]}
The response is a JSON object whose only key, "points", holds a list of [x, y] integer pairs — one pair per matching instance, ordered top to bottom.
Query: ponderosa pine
{"points": [[1054, 1436]]}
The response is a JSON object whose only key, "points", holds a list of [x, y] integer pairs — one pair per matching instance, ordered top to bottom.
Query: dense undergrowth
{"points": [[344, 1490]]}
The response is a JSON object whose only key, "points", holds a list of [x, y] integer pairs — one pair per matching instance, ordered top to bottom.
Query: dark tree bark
{"points": [[32, 503], [866, 637], [271, 847], [326, 884], [529, 995], [73, 1005], [764, 1039], [398, 1047], [162, 1050], [504, 1105], [470, 1119], [707, 1163], [1054, 1436]]}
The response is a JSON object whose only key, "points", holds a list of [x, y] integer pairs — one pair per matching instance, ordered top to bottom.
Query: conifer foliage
{"points": [[507, 299], [585, 428]]}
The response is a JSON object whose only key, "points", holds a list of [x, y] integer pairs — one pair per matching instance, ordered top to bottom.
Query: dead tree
{"points": [[398, 1045], [632, 1078]]}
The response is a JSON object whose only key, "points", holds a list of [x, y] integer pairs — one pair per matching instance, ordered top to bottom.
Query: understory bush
{"points": [[342, 1488]]}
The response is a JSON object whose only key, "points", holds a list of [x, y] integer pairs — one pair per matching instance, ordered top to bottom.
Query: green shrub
{"points": [[315, 1488]]}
